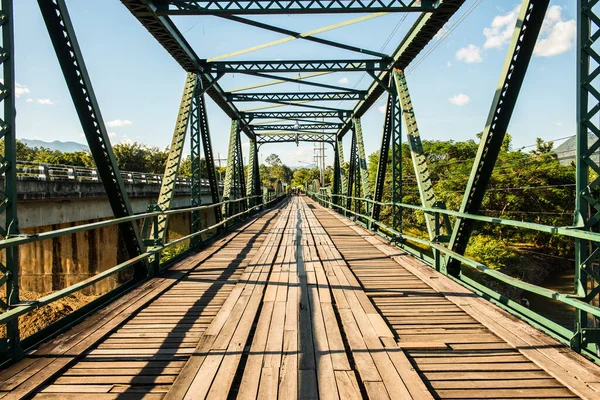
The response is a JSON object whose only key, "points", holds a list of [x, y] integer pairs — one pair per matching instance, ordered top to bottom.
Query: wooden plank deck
{"points": [[301, 303]]}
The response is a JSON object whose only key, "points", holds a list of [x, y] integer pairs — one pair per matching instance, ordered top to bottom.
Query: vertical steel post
{"points": [[529, 23], [71, 61], [199, 112], [396, 145], [384, 152], [419, 160], [362, 164], [196, 165], [352, 173], [342, 178], [253, 180], [167, 188], [229, 189], [8, 192], [587, 205]]}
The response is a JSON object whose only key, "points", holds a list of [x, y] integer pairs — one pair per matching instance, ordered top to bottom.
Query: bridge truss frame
{"points": [[351, 192]]}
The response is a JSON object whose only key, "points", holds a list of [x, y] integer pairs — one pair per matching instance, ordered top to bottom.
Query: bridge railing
{"points": [[59, 172], [244, 207], [440, 254]]}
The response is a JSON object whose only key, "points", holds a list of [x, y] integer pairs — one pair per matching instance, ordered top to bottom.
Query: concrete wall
{"points": [[60, 262]]}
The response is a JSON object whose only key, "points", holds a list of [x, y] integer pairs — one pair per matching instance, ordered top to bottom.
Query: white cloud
{"points": [[501, 30], [440, 34], [559, 34], [556, 37], [469, 54], [449, 64], [343, 81], [20, 90], [460, 99], [29, 100], [45, 101], [382, 109], [117, 123], [558, 123], [112, 134], [126, 141]]}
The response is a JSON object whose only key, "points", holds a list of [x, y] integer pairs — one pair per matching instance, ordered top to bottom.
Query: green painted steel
{"points": [[226, 7], [529, 23], [420, 34], [302, 36], [71, 61], [297, 66], [314, 96], [293, 115], [290, 127], [295, 138], [396, 149], [384, 152], [418, 157], [196, 164], [363, 171], [340, 178], [235, 186], [167, 187], [253, 187], [353, 188], [587, 204], [9, 270]]}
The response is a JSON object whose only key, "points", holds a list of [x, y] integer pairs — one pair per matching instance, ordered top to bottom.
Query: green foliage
{"points": [[304, 176], [492, 252]]}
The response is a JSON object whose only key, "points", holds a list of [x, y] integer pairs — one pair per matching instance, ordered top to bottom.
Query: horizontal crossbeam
{"points": [[213, 7], [296, 66], [315, 96], [295, 114], [288, 127], [295, 138]]}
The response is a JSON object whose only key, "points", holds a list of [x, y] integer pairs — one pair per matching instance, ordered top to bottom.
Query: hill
{"points": [[65, 147]]}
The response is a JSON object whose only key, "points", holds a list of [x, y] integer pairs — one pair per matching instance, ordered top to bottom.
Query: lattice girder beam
{"points": [[218, 7], [526, 31], [71, 61], [296, 66], [314, 96], [292, 115], [302, 127], [292, 138], [384, 151], [419, 160], [362, 162], [235, 186], [167, 188]]}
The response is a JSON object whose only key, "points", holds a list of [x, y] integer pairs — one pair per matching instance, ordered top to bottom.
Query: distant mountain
{"points": [[65, 147]]}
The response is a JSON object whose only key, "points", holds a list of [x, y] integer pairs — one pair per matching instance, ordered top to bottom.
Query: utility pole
{"points": [[319, 158]]}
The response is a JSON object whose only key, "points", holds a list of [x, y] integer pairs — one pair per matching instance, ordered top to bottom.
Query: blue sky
{"points": [[139, 85]]}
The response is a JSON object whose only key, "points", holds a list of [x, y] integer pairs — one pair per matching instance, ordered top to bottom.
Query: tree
{"points": [[273, 160]]}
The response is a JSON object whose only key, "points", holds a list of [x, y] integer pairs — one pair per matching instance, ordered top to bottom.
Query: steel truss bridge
{"points": [[302, 297]]}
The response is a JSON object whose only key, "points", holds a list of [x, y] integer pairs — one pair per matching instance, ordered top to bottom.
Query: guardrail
{"points": [[58, 172], [440, 254], [150, 256]]}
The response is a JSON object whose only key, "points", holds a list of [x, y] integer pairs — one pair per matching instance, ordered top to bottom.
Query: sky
{"points": [[452, 82]]}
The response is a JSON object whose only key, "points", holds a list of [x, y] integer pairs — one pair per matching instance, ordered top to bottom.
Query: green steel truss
{"points": [[217, 7], [520, 51], [296, 66], [314, 96], [293, 115], [303, 127], [295, 138], [384, 152], [419, 159], [361, 162], [235, 185], [253, 187], [167, 188], [587, 206], [9, 226]]}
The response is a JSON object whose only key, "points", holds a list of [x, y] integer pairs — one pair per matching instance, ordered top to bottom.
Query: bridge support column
{"points": [[520, 51], [384, 152], [419, 160], [340, 183], [235, 186], [253, 186], [167, 187], [587, 204], [9, 273]]}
